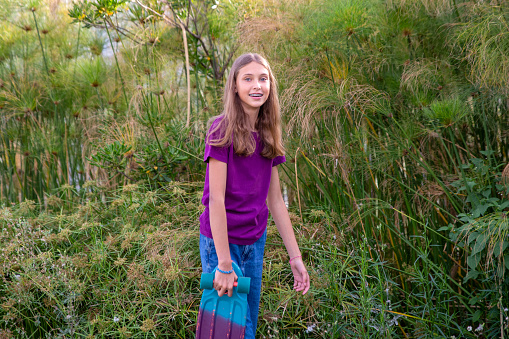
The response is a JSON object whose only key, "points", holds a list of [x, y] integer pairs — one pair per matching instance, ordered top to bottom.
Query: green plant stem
{"points": [[40, 42], [77, 51], [118, 66], [330, 68], [99, 97], [149, 115], [436, 268]]}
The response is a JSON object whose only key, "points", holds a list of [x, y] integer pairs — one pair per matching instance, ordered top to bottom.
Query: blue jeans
{"points": [[250, 261]]}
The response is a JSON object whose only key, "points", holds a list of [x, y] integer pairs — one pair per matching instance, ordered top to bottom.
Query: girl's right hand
{"points": [[224, 283]]}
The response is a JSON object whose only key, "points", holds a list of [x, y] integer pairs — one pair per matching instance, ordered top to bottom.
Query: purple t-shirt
{"points": [[247, 186]]}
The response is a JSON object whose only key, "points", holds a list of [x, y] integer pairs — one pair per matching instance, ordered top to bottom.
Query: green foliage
{"points": [[94, 12], [483, 43], [92, 72], [446, 112], [395, 125], [112, 157], [483, 231], [134, 253]]}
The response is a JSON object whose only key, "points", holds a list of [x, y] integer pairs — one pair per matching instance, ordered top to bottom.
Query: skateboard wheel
{"points": [[207, 281], [243, 285]]}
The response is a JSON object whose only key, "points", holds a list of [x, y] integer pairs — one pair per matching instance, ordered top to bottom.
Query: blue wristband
{"points": [[224, 272]]}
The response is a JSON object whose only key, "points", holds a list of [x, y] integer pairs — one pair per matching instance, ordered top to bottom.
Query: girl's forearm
{"points": [[284, 226], [220, 233]]}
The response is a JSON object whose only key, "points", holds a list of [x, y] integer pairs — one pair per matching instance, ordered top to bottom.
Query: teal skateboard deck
{"points": [[223, 317]]}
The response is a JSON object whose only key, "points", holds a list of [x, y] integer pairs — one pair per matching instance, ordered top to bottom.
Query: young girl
{"points": [[243, 148]]}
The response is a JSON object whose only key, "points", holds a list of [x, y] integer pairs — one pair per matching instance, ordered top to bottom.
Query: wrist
{"points": [[297, 257], [225, 265], [224, 272]]}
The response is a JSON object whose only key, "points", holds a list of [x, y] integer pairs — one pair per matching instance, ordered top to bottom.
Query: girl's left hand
{"points": [[300, 275]]}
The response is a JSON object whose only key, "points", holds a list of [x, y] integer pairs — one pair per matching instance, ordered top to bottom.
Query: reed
{"points": [[396, 144], [381, 153]]}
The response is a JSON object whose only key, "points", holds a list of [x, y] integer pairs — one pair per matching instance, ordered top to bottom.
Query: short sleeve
{"points": [[218, 153], [278, 160]]}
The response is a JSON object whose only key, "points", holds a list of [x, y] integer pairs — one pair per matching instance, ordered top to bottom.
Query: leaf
{"points": [[487, 152], [477, 162], [480, 167], [166, 178], [458, 183], [470, 184], [486, 193], [473, 199], [493, 201], [504, 205], [480, 210], [465, 218], [445, 228], [472, 237], [480, 243], [499, 248], [473, 260], [506, 261], [500, 271], [472, 274], [475, 299], [476, 316]]}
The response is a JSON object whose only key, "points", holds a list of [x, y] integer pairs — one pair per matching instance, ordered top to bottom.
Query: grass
{"points": [[395, 123], [115, 273]]}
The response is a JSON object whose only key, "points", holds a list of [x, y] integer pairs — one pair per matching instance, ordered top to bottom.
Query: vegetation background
{"points": [[396, 127]]}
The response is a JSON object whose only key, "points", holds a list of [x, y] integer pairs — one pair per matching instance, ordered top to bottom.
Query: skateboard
{"points": [[223, 317]]}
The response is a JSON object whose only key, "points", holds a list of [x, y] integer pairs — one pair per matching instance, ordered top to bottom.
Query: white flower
{"points": [[506, 309], [116, 319], [310, 328], [469, 328], [479, 328]]}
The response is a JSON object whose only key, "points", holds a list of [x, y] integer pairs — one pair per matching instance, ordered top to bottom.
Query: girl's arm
{"points": [[217, 187], [280, 215]]}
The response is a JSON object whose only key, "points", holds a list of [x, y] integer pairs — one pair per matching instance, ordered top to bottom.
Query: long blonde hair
{"points": [[232, 124]]}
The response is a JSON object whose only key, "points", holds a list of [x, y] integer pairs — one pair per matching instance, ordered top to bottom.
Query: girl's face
{"points": [[252, 86]]}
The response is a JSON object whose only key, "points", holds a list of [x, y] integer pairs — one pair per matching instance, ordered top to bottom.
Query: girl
{"points": [[242, 151]]}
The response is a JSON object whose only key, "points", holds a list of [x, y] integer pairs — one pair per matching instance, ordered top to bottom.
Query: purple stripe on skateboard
{"points": [[214, 326]]}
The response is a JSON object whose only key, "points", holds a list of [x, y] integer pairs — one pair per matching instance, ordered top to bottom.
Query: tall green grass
{"points": [[66, 86], [395, 121], [388, 130]]}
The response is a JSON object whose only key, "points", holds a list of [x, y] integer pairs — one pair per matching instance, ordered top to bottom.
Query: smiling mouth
{"points": [[256, 95]]}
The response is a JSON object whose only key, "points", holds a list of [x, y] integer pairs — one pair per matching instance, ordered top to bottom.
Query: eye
{"points": [[247, 78], [264, 79]]}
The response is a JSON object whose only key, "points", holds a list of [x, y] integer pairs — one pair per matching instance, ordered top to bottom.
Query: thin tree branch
{"points": [[186, 51]]}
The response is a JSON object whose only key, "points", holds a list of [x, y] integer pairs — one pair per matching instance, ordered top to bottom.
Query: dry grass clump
{"points": [[432, 7], [270, 25], [255, 32], [423, 75], [305, 99], [309, 101], [505, 174]]}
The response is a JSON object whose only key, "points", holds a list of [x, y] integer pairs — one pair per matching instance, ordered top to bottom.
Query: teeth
{"points": [[255, 95]]}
